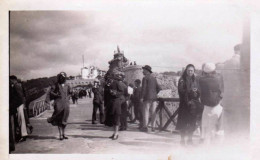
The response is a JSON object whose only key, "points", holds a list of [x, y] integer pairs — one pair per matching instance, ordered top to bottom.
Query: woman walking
{"points": [[188, 89], [117, 91], [61, 105]]}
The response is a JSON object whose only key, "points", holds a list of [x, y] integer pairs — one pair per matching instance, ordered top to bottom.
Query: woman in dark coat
{"points": [[188, 89], [117, 92], [107, 103], [61, 105]]}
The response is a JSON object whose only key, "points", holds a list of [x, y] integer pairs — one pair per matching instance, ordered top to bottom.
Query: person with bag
{"points": [[212, 88], [117, 92], [61, 94], [190, 107]]}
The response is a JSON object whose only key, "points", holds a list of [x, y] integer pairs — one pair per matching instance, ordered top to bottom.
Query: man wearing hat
{"points": [[212, 88], [150, 89]]}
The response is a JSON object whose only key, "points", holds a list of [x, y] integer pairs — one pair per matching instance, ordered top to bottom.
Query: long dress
{"points": [[61, 106]]}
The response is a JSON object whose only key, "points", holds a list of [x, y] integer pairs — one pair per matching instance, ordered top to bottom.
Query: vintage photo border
{"points": [[12, 5]]}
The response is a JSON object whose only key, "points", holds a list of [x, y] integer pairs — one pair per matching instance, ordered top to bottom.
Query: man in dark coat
{"points": [[150, 89], [212, 89], [15, 100], [136, 100], [98, 102]]}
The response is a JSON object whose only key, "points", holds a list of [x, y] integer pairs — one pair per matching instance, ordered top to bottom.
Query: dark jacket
{"points": [[150, 88], [212, 88], [117, 90], [137, 94], [98, 95], [16, 97], [186, 117]]}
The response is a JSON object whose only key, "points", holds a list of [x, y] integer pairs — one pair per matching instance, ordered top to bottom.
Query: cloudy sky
{"points": [[43, 43]]}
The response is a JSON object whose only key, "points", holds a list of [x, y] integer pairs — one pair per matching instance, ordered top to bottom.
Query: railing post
{"points": [[161, 103]]}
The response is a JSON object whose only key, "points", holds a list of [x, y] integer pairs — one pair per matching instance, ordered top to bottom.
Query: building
{"points": [[91, 72]]}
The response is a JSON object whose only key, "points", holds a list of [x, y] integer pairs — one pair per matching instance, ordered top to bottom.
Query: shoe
{"points": [[133, 121], [94, 122], [122, 129], [144, 129], [112, 136], [64, 137], [115, 137], [61, 138], [22, 139]]}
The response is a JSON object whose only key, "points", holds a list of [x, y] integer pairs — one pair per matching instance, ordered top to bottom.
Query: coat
{"points": [[150, 88], [212, 88], [118, 92], [98, 95], [137, 95], [16, 98], [61, 105], [186, 116]]}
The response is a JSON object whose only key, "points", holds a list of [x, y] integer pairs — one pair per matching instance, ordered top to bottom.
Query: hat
{"points": [[209, 67], [148, 68], [63, 74], [13, 77], [96, 80]]}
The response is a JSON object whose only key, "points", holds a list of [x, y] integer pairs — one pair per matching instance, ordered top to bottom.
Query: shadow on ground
{"points": [[87, 136], [36, 137]]}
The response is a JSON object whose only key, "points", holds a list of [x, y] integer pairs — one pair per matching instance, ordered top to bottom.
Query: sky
{"points": [[44, 43]]}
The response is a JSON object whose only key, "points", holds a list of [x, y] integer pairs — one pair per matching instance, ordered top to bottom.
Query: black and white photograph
{"points": [[129, 80]]}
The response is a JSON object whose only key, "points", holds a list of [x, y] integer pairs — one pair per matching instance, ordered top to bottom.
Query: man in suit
{"points": [[150, 89], [98, 102]]}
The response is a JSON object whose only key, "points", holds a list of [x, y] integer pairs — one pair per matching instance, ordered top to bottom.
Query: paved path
{"points": [[85, 137]]}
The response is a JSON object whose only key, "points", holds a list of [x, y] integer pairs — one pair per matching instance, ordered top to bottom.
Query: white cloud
{"points": [[43, 43]]}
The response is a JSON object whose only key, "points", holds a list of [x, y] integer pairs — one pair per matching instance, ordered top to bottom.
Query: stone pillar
{"points": [[132, 73]]}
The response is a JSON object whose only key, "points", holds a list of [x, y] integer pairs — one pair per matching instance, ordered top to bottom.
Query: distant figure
{"points": [[134, 63], [131, 64], [150, 89], [212, 89], [89, 93], [74, 96], [98, 102], [61, 105], [190, 107]]}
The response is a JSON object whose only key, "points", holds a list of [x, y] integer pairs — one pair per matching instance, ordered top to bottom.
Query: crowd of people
{"points": [[199, 106]]}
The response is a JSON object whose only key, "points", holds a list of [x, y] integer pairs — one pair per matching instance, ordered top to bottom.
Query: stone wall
{"points": [[132, 73]]}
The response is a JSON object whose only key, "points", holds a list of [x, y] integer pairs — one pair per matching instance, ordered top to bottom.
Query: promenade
{"points": [[85, 137], [88, 138]]}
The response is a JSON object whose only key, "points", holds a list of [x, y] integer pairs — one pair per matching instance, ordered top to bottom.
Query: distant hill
{"points": [[34, 88]]}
